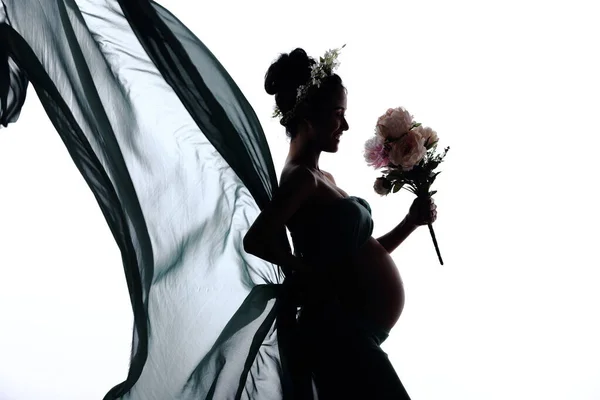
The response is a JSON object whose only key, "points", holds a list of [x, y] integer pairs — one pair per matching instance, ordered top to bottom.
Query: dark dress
{"points": [[340, 346]]}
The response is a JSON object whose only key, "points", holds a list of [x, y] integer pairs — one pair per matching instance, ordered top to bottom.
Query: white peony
{"points": [[394, 123], [430, 137], [408, 151]]}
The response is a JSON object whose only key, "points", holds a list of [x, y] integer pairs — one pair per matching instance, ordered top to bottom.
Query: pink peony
{"points": [[394, 123], [429, 136], [408, 151], [375, 153]]}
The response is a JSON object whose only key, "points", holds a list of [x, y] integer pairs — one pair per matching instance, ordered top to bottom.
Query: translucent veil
{"points": [[180, 167]]}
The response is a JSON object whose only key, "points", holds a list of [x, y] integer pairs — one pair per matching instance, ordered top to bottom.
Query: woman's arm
{"points": [[422, 212], [394, 238], [260, 240], [279, 256]]}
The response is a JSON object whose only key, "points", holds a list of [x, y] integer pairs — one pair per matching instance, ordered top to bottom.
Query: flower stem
{"points": [[437, 248]]}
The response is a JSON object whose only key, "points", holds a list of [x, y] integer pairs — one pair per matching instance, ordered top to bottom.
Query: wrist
{"points": [[410, 222]]}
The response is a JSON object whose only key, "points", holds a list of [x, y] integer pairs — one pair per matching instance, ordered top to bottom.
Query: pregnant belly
{"points": [[372, 285]]}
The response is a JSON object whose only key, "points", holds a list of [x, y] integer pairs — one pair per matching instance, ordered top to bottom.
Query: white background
{"points": [[513, 87]]}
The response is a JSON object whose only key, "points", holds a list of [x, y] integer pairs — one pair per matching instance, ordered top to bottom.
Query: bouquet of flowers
{"points": [[406, 152]]}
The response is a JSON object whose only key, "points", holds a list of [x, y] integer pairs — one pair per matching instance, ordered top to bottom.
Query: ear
{"points": [[306, 125]]}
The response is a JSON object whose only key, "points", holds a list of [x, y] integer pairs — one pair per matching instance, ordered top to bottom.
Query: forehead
{"points": [[340, 99]]}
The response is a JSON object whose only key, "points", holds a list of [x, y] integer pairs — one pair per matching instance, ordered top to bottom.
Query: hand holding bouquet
{"points": [[406, 152]]}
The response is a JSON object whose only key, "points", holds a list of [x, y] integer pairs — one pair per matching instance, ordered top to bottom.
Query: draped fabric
{"points": [[180, 168]]}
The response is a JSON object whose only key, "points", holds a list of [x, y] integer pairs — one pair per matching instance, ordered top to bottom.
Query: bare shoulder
{"points": [[329, 176], [298, 177], [298, 185]]}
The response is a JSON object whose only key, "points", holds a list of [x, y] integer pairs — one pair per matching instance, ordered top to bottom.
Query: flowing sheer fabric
{"points": [[179, 165]]}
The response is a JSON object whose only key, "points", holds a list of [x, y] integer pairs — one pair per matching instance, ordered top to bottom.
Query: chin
{"points": [[330, 146], [331, 149]]}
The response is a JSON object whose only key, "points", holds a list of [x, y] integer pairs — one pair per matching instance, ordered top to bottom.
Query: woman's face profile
{"points": [[332, 123]]}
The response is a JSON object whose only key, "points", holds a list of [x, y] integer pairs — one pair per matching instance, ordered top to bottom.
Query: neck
{"points": [[304, 152]]}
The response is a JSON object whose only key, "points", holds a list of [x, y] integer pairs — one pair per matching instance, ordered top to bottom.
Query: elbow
{"points": [[258, 242], [248, 245], [251, 245]]}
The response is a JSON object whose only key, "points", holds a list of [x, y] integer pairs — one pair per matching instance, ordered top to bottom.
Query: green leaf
{"points": [[394, 173], [386, 183], [397, 186]]}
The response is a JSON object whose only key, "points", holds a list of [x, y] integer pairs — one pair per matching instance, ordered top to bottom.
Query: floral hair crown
{"points": [[319, 71]]}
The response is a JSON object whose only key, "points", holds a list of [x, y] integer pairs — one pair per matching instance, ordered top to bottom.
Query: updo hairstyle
{"points": [[286, 75]]}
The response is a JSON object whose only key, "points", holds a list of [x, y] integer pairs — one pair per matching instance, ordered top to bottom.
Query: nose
{"points": [[345, 125]]}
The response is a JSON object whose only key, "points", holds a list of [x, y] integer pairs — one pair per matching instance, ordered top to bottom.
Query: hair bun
{"points": [[288, 72]]}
